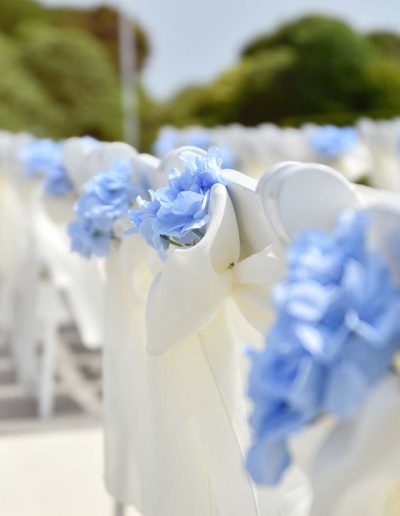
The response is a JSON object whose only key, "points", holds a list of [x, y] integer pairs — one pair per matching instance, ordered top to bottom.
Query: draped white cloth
{"points": [[383, 140], [256, 149], [11, 227], [18, 258], [129, 272], [82, 281], [124, 371], [195, 373], [175, 410], [187, 446], [355, 466], [357, 471]]}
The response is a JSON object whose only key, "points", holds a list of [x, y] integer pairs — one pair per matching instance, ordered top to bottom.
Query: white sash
{"points": [[189, 330]]}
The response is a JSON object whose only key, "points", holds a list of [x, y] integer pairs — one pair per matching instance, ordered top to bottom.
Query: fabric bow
{"points": [[202, 277], [192, 334]]}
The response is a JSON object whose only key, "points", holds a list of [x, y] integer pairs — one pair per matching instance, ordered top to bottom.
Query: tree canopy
{"points": [[315, 68], [62, 70], [62, 76]]}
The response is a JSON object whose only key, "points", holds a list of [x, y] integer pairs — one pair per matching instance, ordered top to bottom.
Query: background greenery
{"points": [[59, 76]]}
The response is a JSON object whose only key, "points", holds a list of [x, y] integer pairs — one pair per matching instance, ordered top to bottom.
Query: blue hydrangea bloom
{"points": [[170, 138], [199, 138], [202, 138], [166, 141], [330, 141], [38, 156], [227, 156], [44, 158], [109, 193], [108, 196], [179, 212], [89, 237], [335, 335]]}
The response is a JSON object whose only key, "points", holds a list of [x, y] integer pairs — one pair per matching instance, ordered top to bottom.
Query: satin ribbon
{"points": [[129, 274], [82, 281], [188, 328], [124, 371], [357, 470]]}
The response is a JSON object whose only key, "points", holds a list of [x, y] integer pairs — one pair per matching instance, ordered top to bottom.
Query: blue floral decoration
{"points": [[170, 138], [199, 138], [166, 141], [330, 141], [43, 158], [107, 197], [178, 214], [89, 237], [335, 336]]}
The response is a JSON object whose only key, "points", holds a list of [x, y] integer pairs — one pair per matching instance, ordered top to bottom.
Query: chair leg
{"points": [[47, 380], [119, 509]]}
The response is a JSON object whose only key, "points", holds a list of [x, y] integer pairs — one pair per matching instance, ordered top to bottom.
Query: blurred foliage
{"points": [[12, 13], [102, 23], [386, 42], [313, 69], [62, 70], [76, 73], [62, 76], [236, 94], [23, 103]]}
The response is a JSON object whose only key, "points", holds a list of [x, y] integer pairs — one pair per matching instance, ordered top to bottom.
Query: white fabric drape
{"points": [[195, 372]]}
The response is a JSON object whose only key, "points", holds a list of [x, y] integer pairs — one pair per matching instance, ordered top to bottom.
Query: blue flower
{"points": [[171, 138], [199, 138], [166, 141], [330, 142], [38, 156], [227, 156], [44, 158], [57, 182], [109, 193], [108, 197], [178, 213], [90, 237], [336, 332]]}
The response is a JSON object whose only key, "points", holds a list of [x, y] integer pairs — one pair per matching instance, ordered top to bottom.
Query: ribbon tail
{"points": [[86, 296], [124, 362], [211, 380], [176, 480]]}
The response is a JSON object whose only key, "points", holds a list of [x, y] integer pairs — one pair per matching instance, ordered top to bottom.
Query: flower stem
{"points": [[199, 232], [171, 241]]}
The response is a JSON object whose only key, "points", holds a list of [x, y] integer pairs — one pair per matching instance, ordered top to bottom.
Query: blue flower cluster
{"points": [[170, 138], [330, 141], [44, 158], [108, 196], [178, 213], [336, 332]]}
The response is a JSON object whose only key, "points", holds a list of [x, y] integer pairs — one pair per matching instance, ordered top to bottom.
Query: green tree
{"points": [[13, 13], [102, 24], [387, 43], [71, 56], [313, 69], [76, 73], [328, 73], [384, 76], [246, 93], [23, 103]]}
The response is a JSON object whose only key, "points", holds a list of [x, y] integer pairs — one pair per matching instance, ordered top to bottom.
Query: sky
{"points": [[193, 41]]}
